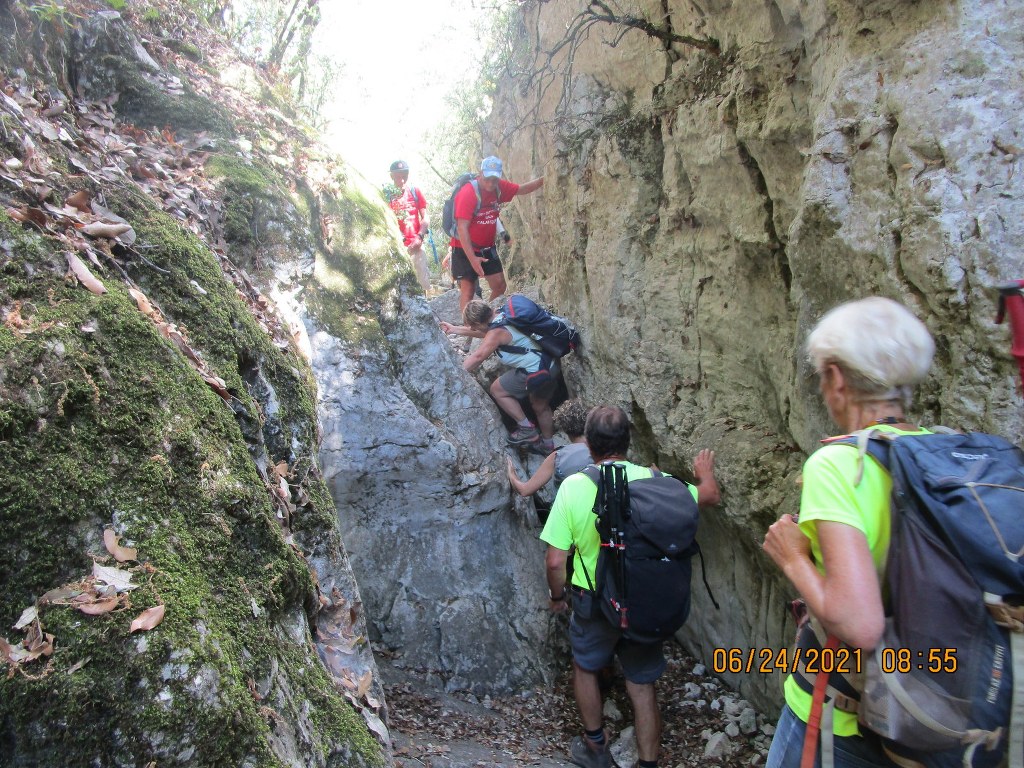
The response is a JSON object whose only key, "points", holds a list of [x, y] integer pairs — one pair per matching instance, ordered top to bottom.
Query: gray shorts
{"points": [[514, 382], [595, 642]]}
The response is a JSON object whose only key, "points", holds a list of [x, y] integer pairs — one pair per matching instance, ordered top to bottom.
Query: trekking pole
{"points": [[430, 237], [1011, 300], [622, 509], [624, 512]]}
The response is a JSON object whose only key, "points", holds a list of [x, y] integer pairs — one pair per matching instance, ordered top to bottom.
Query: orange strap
{"points": [[814, 718]]}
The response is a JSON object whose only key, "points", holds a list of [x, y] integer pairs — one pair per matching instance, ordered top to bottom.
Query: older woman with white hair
{"points": [[868, 355]]}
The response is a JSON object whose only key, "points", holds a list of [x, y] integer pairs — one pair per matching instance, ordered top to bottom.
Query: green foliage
{"points": [[117, 5], [53, 12], [279, 34], [458, 141]]}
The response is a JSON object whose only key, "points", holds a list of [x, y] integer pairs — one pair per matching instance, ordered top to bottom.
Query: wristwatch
{"points": [[558, 599]]}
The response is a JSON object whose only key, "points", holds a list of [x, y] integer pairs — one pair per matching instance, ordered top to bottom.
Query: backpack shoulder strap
{"points": [[479, 197], [873, 441]]}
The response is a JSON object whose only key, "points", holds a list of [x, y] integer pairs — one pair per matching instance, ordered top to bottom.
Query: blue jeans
{"points": [[850, 751]]}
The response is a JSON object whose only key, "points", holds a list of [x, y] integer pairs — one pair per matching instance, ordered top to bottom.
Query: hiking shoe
{"points": [[524, 435], [541, 446], [582, 754]]}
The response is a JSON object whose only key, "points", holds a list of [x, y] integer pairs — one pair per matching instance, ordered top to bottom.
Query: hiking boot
{"points": [[524, 435], [541, 446], [583, 754]]}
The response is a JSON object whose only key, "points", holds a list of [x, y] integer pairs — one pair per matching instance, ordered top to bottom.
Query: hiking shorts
{"points": [[460, 264], [516, 383], [595, 642]]}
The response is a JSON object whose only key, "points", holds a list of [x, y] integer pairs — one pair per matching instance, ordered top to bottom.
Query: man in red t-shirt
{"points": [[410, 207], [476, 222]]}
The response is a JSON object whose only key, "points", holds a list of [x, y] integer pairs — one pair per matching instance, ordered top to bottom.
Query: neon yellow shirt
{"points": [[829, 494], [571, 520]]}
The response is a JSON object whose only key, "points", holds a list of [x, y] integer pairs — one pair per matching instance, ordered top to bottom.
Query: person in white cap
{"points": [[476, 210]]}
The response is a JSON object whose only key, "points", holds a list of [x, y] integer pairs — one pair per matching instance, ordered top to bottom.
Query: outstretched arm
{"points": [[530, 186], [462, 330], [492, 340], [535, 483], [708, 492]]}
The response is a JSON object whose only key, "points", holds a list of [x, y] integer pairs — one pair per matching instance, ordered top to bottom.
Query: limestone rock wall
{"points": [[701, 210]]}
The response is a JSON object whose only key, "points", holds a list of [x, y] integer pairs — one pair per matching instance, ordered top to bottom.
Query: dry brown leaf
{"points": [[79, 200], [31, 215], [104, 229], [85, 277], [142, 302], [13, 319], [218, 385], [121, 554], [115, 577], [56, 595], [98, 607], [27, 617], [148, 619], [8, 651], [364, 683]]}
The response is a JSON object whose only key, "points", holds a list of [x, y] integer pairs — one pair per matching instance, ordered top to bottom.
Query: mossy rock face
{"points": [[111, 60], [105, 424]]}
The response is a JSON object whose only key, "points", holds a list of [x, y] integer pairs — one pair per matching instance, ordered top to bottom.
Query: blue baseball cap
{"points": [[490, 166]]}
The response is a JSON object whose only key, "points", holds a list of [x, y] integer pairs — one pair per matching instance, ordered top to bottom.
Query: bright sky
{"points": [[400, 57]]}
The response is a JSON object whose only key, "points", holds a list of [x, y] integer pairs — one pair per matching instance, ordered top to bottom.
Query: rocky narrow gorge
{"points": [[225, 401]]}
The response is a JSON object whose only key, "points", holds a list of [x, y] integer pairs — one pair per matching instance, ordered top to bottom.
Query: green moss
{"points": [[146, 105], [251, 195], [103, 421]]}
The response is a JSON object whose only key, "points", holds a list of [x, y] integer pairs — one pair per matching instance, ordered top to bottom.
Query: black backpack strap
{"points": [[704, 575]]}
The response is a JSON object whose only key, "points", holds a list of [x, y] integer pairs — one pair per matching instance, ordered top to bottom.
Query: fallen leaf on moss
{"points": [[79, 200], [31, 215], [104, 229], [85, 277], [142, 302], [217, 384], [121, 554], [115, 577], [56, 595], [97, 607], [27, 617], [148, 619], [37, 642]]}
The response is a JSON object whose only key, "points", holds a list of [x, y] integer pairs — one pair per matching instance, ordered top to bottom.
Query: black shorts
{"points": [[461, 268]]}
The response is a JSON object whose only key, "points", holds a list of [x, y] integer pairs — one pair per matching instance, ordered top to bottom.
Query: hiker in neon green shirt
{"points": [[868, 354], [594, 640]]}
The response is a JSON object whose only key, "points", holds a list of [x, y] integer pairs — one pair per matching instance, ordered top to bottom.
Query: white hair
{"points": [[881, 347]]}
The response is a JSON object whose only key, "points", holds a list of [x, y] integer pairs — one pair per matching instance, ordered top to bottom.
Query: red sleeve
{"points": [[508, 190], [421, 201], [465, 202]]}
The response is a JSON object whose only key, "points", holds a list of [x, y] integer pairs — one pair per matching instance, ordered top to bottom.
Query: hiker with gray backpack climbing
{"points": [[470, 217], [531, 342], [906, 556]]}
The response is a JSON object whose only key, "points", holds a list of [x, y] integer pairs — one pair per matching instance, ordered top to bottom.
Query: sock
{"points": [[525, 423], [596, 737], [647, 764]]}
